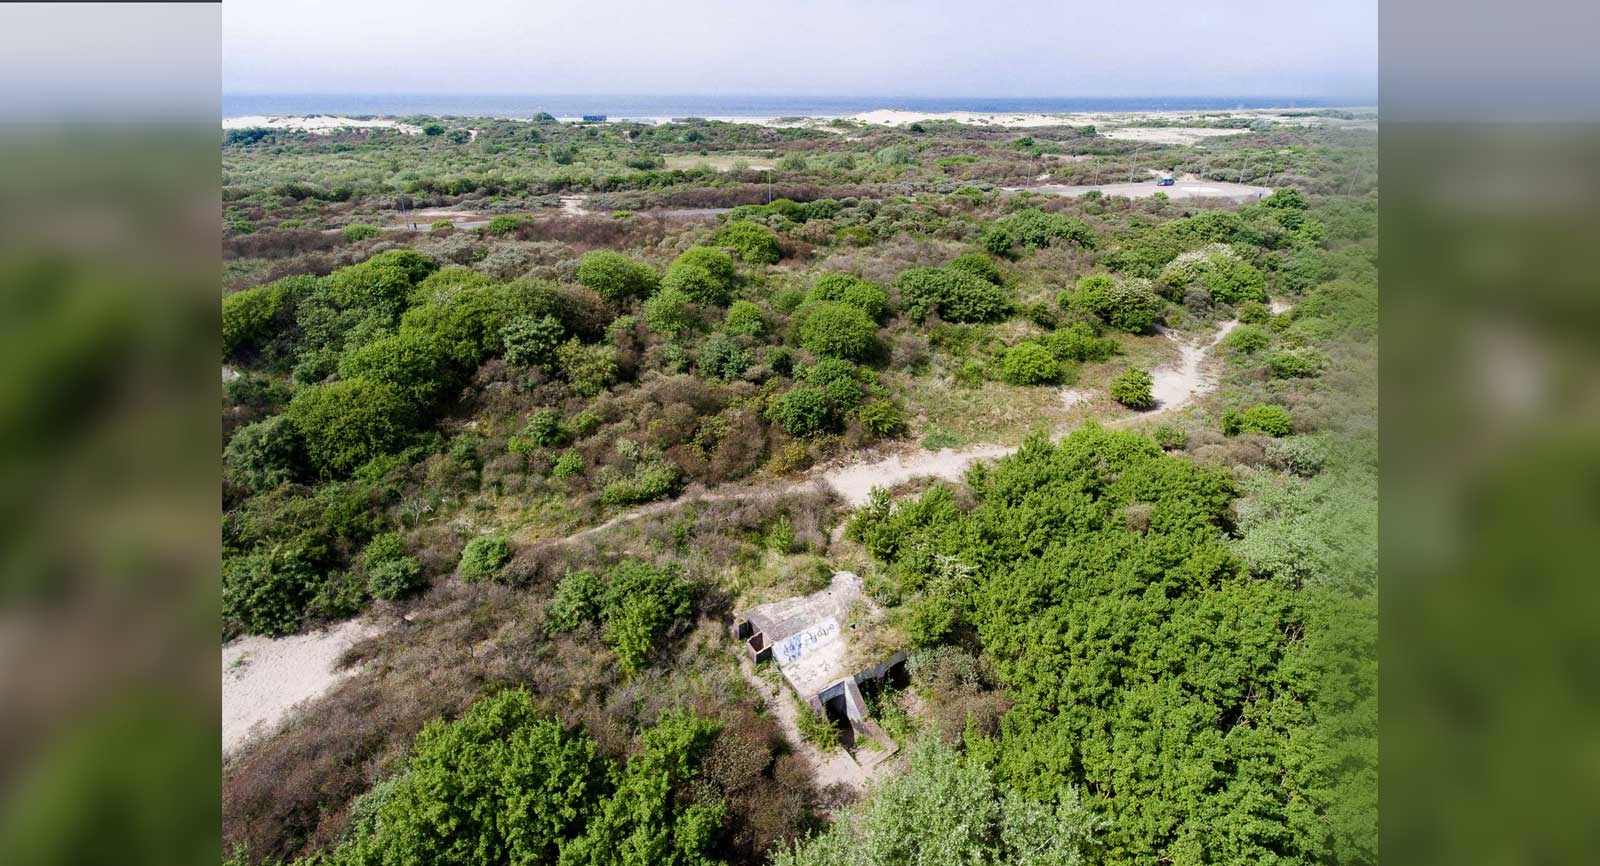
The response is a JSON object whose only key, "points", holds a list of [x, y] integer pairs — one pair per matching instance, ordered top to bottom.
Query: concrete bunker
{"points": [[817, 643]]}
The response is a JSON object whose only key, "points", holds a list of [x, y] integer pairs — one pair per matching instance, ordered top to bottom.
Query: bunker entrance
{"points": [[838, 715]]}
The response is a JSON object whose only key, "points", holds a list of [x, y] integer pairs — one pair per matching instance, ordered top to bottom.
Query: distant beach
{"points": [[659, 108]]}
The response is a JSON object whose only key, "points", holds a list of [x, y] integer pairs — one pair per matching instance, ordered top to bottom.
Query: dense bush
{"points": [[503, 225], [1031, 229], [359, 232], [752, 242], [978, 265], [706, 275], [616, 277], [865, 295], [956, 296], [1122, 304], [669, 312], [1253, 313], [248, 317], [744, 319], [835, 330], [1248, 339], [532, 341], [1079, 342], [722, 358], [1029, 363], [1299, 363], [589, 369], [1133, 389], [801, 411], [882, 417], [1260, 418], [348, 422], [262, 455], [1102, 554], [483, 557], [391, 574], [266, 591], [634, 605], [947, 808]]}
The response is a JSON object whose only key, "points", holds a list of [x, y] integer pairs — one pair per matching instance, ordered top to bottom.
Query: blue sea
{"points": [[622, 107]]}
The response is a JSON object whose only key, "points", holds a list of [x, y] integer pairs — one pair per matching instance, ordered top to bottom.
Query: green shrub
{"points": [[503, 224], [441, 225], [1032, 228], [359, 232], [752, 242], [978, 265], [704, 274], [616, 277], [1233, 280], [381, 284], [864, 295], [956, 296], [1123, 304], [669, 312], [1253, 313], [248, 317], [744, 319], [835, 330], [1247, 339], [531, 341], [1079, 342], [722, 358], [414, 363], [1029, 363], [1299, 363], [589, 369], [1133, 389], [800, 411], [882, 418], [1260, 418], [350, 421], [582, 424], [543, 430], [1170, 437], [265, 454], [1300, 455], [568, 465], [649, 481], [483, 557], [394, 578], [266, 591], [578, 600], [816, 730], [498, 785]]}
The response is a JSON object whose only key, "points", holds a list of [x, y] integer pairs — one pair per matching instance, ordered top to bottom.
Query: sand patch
{"points": [[321, 124], [1169, 134], [1182, 189], [264, 679]]}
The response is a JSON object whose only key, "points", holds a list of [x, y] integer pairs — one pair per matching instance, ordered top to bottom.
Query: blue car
{"points": [[1166, 181]]}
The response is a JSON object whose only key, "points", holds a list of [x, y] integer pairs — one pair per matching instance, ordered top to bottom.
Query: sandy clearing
{"points": [[899, 117], [321, 124], [1169, 134], [1183, 189], [1279, 307], [1176, 387], [1071, 397], [264, 679]]}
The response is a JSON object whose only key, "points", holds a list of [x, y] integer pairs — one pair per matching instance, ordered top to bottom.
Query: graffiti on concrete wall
{"points": [[794, 648]]}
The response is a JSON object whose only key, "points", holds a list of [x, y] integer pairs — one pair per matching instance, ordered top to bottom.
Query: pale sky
{"points": [[1031, 48]]}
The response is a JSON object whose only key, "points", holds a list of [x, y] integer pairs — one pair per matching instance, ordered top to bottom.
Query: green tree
{"points": [[359, 232], [752, 242], [978, 265], [704, 274], [616, 277], [956, 296], [1122, 304], [669, 312], [248, 317], [744, 319], [835, 330], [1247, 339], [532, 341], [722, 358], [1029, 363], [589, 369], [1133, 389], [801, 411], [349, 422], [263, 455], [483, 557], [391, 573], [266, 591], [949, 809]]}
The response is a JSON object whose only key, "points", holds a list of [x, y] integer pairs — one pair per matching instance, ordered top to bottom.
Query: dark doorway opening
{"points": [[838, 715]]}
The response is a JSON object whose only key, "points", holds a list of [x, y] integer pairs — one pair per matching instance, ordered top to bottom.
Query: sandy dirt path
{"points": [[1183, 189], [264, 679]]}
